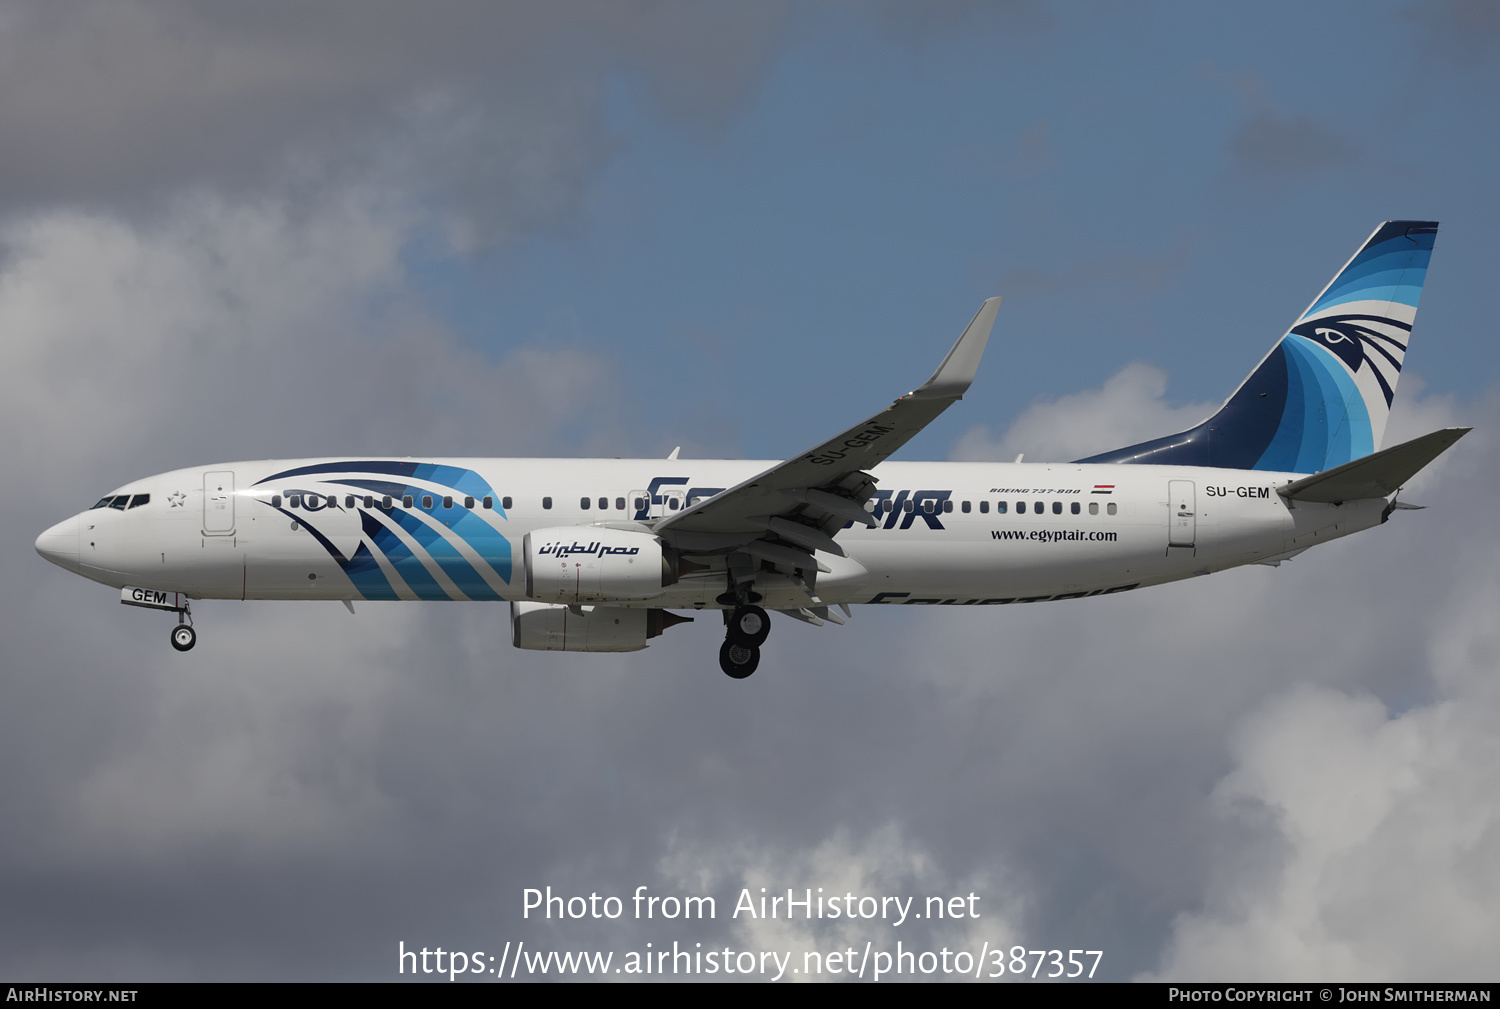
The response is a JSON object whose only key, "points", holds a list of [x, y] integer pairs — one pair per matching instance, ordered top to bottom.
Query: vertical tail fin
{"points": [[1321, 397]]}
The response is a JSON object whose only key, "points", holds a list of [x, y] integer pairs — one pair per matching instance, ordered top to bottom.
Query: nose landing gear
{"points": [[183, 635]]}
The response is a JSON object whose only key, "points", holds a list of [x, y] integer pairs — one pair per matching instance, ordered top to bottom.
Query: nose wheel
{"points": [[184, 637]]}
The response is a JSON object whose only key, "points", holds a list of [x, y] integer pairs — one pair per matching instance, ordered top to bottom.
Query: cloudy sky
{"points": [[236, 231]]}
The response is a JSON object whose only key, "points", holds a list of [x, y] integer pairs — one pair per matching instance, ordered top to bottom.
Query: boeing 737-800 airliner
{"points": [[593, 555]]}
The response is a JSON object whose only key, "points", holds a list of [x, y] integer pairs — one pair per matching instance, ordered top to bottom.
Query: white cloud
{"points": [[247, 329], [225, 330], [1128, 408], [1336, 713], [1361, 838], [881, 865]]}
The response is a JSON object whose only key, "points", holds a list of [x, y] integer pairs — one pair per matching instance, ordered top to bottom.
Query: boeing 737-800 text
{"points": [[593, 555]]}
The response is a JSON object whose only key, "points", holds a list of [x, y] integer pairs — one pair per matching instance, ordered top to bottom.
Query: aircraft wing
{"points": [[799, 505]]}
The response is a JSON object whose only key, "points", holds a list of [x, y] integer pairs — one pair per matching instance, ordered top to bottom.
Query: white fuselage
{"points": [[975, 533]]}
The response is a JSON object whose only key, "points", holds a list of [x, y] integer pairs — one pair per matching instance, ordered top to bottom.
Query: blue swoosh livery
{"points": [[416, 552]]}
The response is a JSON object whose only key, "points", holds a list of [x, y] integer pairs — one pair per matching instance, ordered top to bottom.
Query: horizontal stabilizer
{"points": [[1375, 476]]}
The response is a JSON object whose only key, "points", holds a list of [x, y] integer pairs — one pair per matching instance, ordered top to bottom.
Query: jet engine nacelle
{"points": [[589, 564], [551, 628]]}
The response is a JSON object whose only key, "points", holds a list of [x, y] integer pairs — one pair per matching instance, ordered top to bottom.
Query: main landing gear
{"points": [[748, 626]]}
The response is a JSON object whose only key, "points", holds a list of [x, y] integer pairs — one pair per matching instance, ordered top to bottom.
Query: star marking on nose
{"points": [[177, 499]]}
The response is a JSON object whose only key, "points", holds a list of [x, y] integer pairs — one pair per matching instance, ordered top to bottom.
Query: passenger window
{"points": [[139, 500], [275, 500], [294, 500], [348, 500], [406, 500], [312, 501], [369, 501], [427, 501], [447, 501], [469, 501], [385, 502], [489, 502], [504, 502], [547, 503], [583, 503], [672, 503], [604, 504], [619, 504], [640, 504], [890, 505], [910, 505], [927, 506], [947, 506], [999, 507], [1020, 507], [1040, 507], [1057, 507], [1093, 507], [966, 508], [984, 508], [1074, 508], [1112, 508]]}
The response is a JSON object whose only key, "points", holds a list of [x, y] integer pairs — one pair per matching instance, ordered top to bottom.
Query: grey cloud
{"points": [[919, 23], [1466, 30], [494, 108], [1269, 145], [1135, 274], [234, 328], [1128, 408], [1358, 835]]}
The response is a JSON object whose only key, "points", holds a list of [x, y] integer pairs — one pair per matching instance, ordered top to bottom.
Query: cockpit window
{"points": [[140, 499], [120, 501], [103, 502]]}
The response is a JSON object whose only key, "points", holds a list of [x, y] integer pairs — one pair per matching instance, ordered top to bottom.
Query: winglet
{"points": [[958, 369]]}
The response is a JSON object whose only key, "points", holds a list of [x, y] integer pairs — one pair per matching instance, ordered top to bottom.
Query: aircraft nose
{"points": [[60, 544]]}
